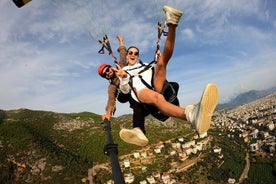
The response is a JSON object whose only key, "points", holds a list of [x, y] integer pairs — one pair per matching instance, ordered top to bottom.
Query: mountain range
{"points": [[246, 97]]}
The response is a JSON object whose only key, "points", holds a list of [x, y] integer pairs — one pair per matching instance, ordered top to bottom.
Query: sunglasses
{"points": [[135, 53], [107, 70]]}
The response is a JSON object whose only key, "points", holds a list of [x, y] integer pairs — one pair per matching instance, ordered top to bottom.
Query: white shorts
{"points": [[137, 83]]}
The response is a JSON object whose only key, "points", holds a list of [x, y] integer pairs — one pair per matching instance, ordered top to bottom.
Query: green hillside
{"points": [[48, 147], [60, 148]]}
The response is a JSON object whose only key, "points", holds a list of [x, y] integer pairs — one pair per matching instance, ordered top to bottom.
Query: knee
{"points": [[161, 66], [150, 97], [158, 98]]}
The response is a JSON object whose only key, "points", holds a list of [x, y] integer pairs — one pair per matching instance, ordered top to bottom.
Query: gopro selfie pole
{"points": [[111, 150]]}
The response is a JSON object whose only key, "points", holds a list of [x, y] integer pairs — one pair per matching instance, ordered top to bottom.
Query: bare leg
{"points": [[169, 44], [160, 71], [156, 99]]}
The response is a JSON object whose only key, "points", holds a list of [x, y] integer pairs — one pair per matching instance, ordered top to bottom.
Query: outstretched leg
{"points": [[173, 17], [160, 74], [156, 99], [199, 115]]}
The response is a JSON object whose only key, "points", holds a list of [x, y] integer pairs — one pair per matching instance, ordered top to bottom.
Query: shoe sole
{"points": [[175, 11], [208, 103], [129, 137]]}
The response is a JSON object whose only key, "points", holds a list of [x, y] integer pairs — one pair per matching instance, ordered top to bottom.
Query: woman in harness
{"points": [[114, 94], [198, 115]]}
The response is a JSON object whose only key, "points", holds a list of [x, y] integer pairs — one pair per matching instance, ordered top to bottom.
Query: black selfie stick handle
{"points": [[111, 150]]}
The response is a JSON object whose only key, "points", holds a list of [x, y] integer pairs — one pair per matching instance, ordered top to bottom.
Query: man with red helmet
{"points": [[139, 112]]}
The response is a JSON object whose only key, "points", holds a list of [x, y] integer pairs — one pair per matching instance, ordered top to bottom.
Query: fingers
{"points": [[120, 38], [118, 66], [115, 69], [119, 72], [105, 116]]}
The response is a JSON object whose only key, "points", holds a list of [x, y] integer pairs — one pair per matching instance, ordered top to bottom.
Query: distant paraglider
{"points": [[20, 3]]}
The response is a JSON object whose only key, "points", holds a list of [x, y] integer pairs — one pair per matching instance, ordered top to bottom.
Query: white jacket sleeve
{"points": [[124, 84]]}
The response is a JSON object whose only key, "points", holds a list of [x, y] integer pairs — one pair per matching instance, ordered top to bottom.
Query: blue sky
{"points": [[48, 60]]}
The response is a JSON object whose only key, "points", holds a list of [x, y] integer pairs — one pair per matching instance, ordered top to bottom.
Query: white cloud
{"points": [[188, 34], [49, 61]]}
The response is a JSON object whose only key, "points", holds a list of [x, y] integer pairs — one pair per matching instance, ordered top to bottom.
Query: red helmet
{"points": [[101, 68]]}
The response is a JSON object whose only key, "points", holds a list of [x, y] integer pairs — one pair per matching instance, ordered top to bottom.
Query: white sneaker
{"points": [[173, 15], [200, 115], [134, 136]]}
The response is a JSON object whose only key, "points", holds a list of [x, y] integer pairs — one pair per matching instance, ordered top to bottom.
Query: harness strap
{"points": [[142, 63], [147, 66], [134, 68], [145, 83], [131, 85]]}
